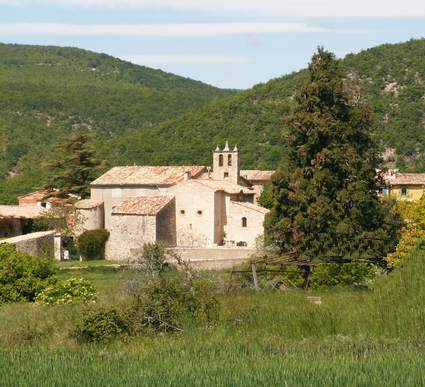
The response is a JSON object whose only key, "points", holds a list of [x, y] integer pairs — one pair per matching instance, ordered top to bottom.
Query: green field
{"points": [[355, 338]]}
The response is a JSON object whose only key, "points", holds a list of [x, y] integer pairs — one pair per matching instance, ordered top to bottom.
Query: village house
{"points": [[404, 186], [179, 206]]}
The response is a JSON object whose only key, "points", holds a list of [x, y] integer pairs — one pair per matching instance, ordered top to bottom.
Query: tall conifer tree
{"points": [[76, 166], [326, 201]]}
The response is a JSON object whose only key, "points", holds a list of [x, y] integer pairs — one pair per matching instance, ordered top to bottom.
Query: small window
{"points": [[220, 160], [229, 160], [226, 175], [403, 191], [43, 204], [182, 212], [199, 212], [244, 222]]}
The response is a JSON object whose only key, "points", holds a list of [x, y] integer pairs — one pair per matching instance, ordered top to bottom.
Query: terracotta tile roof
{"points": [[254, 174], [148, 175], [405, 178], [224, 185], [33, 197], [88, 203], [145, 205], [253, 207], [28, 212]]}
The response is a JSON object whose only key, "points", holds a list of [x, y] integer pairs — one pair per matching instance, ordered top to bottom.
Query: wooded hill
{"points": [[389, 78], [146, 116]]}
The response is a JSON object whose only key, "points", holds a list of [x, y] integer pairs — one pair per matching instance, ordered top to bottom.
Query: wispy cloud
{"points": [[287, 8], [161, 30], [156, 59]]}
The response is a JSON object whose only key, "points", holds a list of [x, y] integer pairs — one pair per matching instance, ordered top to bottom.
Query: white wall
{"points": [[194, 229], [234, 230]]}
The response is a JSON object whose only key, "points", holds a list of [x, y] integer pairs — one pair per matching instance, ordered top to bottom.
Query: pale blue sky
{"points": [[227, 43]]}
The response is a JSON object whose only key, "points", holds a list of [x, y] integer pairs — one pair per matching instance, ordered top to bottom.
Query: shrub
{"points": [[91, 244], [153, 260], [349, 274], [326, 275], [23, 276], [70, 291], [168, 303], [101, 325]]}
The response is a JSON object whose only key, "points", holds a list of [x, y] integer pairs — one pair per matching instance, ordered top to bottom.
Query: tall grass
{"points": [[355, 338]]}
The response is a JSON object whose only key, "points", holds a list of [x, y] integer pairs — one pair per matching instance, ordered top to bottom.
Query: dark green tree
{"points": [[76, 165], [326, 199]]}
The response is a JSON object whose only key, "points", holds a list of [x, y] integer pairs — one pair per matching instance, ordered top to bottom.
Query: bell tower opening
{"points": [[226, 164]]}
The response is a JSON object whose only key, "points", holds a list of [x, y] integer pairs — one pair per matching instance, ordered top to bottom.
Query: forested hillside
{"points": [[389, 78], [46, 92], [146, 116]]}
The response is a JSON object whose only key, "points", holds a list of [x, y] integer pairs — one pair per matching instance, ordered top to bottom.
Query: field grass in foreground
{"points": [[355, 338]]}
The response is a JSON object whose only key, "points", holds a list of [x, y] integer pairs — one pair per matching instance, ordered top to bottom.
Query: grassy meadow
{"points": [[355, 337]]}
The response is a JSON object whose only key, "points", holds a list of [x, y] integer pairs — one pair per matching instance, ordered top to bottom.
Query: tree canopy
{"points": [[77, 166], [326, 196]]}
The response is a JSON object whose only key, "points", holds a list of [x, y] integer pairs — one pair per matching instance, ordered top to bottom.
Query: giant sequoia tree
{"points": [[326, 201]]}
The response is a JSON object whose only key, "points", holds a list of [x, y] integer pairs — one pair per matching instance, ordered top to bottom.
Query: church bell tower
{"points": [[226, 164]]}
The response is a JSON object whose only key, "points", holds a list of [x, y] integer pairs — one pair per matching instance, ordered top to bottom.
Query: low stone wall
{"points": [[37, 243], [215, 258]]}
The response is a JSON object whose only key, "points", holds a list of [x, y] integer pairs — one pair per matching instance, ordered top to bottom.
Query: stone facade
{"points": [[179, 206], [38, 243]]}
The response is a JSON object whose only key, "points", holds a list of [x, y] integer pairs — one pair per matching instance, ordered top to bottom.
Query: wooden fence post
{"points": [[254, 276]]}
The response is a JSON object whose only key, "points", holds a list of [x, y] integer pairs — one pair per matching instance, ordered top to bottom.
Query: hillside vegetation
{"points": [[389, 78], [49, 91], [146, 116]]}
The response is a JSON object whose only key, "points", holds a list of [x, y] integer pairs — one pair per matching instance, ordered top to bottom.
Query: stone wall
{"points": [[114, 195], [194, 214], [89, 219], [166, 225], [10, 227], [128, 234], [37, 243], [215, 258]]}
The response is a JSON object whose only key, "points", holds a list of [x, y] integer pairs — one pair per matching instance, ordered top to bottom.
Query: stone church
{"points": [[179, 206]]}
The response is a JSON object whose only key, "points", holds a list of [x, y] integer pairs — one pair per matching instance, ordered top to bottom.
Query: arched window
{"points": [[220, 160], [229, 160], [244, 222]]}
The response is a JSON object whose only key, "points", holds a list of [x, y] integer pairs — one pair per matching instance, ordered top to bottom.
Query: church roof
{"points": [[255, 174], [147, 175], [226, 186], [86, 204], [144, 205], [253, 207]]}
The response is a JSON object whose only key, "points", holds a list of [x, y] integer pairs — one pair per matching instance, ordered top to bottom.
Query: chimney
{"points": [[209, 172], [187, 175]]}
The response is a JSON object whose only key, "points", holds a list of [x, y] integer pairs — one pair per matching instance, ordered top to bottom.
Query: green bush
{"points": [[91, 244], [154, 259], [349, 274], [326, 275], [23, 276], [70, 291], [168, 304], [102, 325]]}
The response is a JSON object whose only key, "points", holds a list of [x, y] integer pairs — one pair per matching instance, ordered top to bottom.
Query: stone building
{"points": [[191, 207]]}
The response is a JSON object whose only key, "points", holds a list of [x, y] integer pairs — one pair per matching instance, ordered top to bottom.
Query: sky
{"points": [[226, 43]]}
